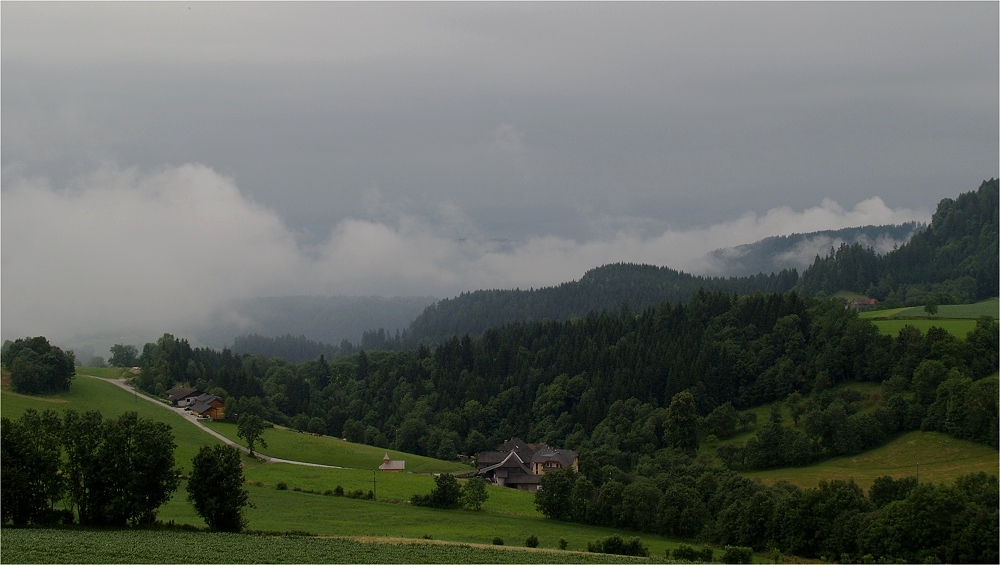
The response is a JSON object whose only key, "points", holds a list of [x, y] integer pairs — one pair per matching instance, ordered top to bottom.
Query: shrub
{"points": [[281, 486], [339, 491], [328, 492], [498, 541], [532, 541], [563, 543], [614, 544], [688, 553], [737, 554]]}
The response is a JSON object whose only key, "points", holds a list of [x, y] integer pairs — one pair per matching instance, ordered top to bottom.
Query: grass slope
{"points": [[87, 393], [284, 443], [932, 456]]}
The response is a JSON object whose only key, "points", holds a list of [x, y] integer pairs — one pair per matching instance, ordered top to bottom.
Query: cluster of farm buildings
{"points": [[515, 464]]}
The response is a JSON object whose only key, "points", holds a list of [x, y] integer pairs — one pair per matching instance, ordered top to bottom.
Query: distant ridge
{"points": [[798, 250]]}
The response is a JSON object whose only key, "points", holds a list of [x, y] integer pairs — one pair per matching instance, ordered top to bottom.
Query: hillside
{"points": [[955, 260], [604, 288]]}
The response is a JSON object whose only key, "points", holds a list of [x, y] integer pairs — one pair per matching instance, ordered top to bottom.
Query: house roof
{"points": [[181, 392], [205, 402], [565, 457], [511, 460], [390, 465]]}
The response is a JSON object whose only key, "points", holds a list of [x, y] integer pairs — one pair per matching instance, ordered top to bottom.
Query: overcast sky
{"points": [[161, 158]]}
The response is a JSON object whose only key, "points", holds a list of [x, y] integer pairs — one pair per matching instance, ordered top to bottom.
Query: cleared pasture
{"points": [[989, 307], [88, 393], [284, 443], [932, 456], [387, 486], [287, 510]]}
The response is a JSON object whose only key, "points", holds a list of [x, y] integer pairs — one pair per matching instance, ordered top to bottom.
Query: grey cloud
{"points": [[176, 244]]}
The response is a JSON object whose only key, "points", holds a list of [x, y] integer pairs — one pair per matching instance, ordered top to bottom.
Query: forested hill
{"points": [[797, 251], [954, 260], [603, 288]]}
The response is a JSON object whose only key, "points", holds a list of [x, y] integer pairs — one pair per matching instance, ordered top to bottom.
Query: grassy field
{"points": [[990, 307], [957, 319], [104, 372], [94, 394], [284, 443], [932, 456], [387, 486], [287, 510], [151, 546]]}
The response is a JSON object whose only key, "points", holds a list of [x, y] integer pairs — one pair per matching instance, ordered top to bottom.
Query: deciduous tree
{"points": [[216, 488]]}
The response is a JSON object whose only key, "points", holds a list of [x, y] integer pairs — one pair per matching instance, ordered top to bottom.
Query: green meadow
{"points": [[956, 319], [88, 393], [293, 445], [931, 456], [290, 511]]}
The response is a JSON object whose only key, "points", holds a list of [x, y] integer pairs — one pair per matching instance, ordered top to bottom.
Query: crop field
{"points": [[94, 394], [284, 443], [932, 456], [157, 546]]}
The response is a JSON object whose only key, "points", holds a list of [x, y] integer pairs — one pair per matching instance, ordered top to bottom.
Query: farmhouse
{"points": [[863, 304], [183, 395], [209, 406], [520, 465], [390, 466]]}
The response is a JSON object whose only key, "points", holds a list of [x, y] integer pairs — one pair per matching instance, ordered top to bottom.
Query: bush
{"points": [[281, 486], [339, 491], [328, 492], [445, 495], [498, 541], [532, 541], [563, 543], [615, 545], [688, 553], [737, 554]]}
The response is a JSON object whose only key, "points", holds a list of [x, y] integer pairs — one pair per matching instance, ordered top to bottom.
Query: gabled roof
{"points": [[181, 392], [204, 403], [565, 457], [511, 459], [390, 465]]}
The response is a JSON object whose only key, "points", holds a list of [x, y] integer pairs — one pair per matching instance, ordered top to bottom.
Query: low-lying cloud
{"points": [[125, 252]]}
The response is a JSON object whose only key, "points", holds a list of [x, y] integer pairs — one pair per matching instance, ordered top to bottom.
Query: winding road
{"points": [[123, 384]]}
